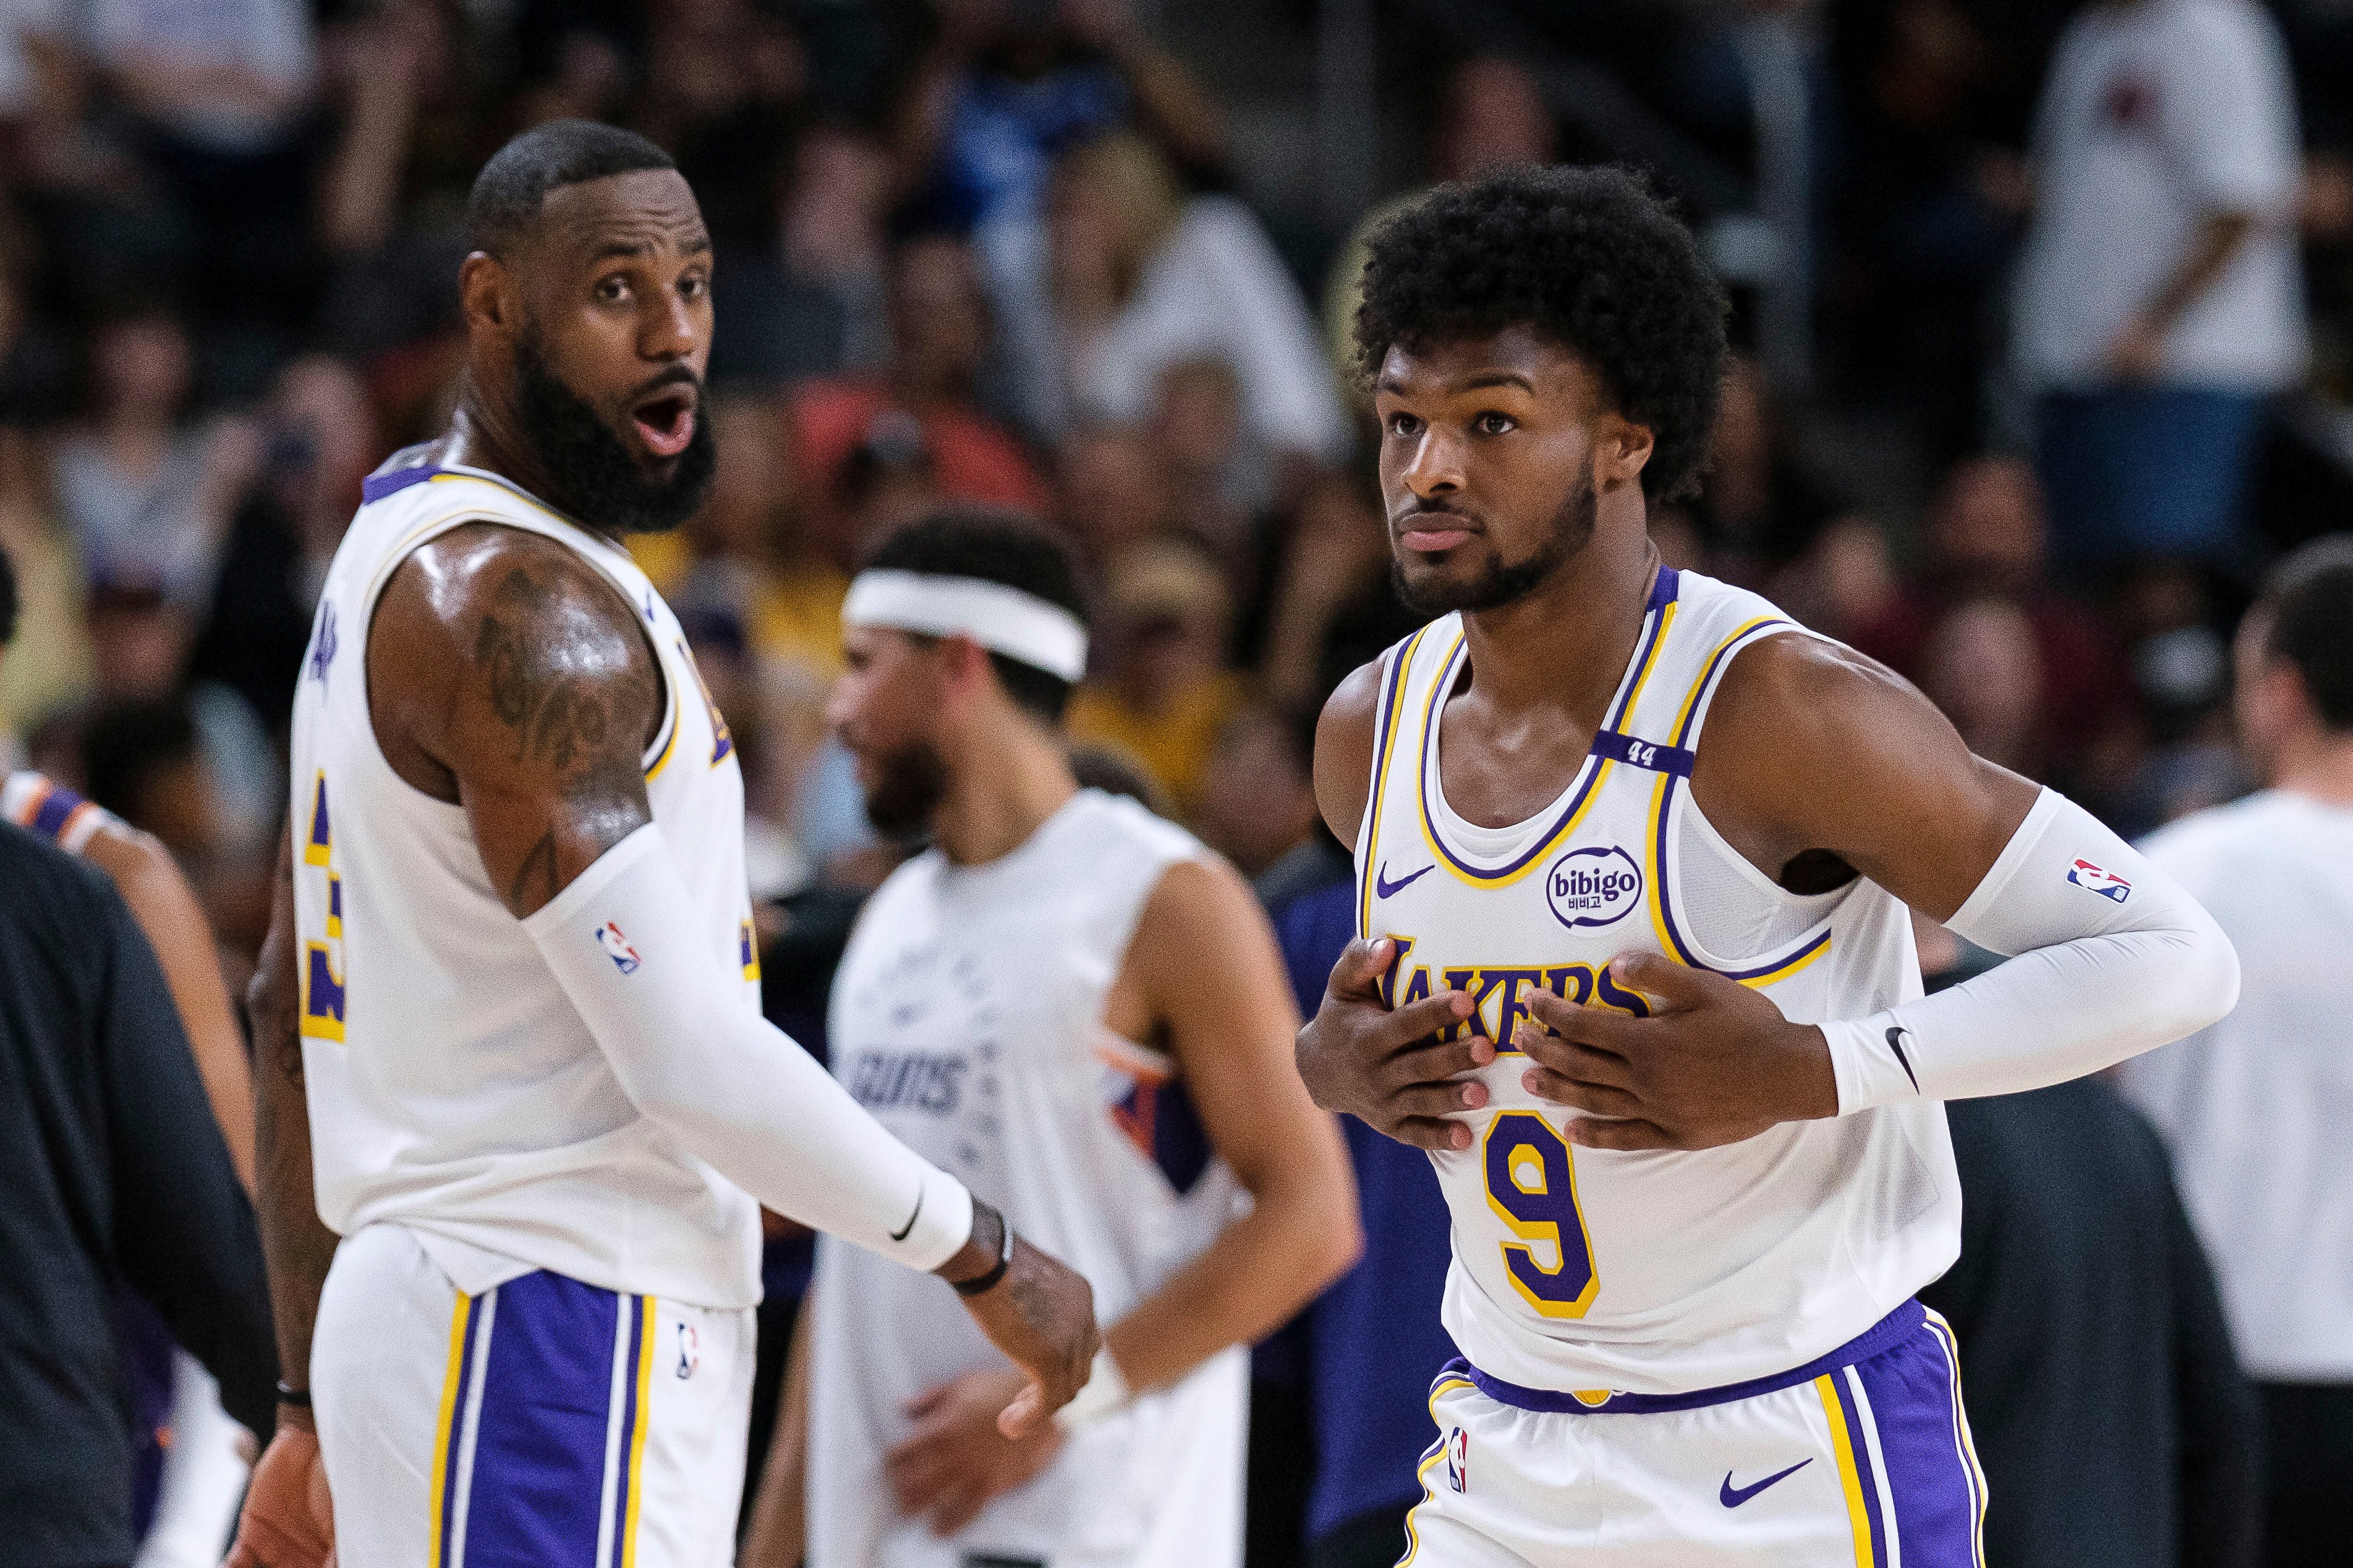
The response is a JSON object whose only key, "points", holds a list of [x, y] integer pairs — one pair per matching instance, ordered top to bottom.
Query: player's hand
{"points": [[2138, 353], [1715, 1063], [1386, 1067], [1042, 1316], [956, 1459], [288, 1520]]}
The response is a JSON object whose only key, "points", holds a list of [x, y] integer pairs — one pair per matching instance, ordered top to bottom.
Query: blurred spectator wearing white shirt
{"points": [[2158, 297], [2256, 1108]]}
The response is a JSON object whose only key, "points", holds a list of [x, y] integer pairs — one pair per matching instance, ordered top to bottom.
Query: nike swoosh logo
{"points": [[1384, 889], [1895, 1043], [907, 1229], [1732, 1497]]}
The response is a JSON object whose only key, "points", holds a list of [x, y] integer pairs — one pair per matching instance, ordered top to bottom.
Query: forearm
{"points": [[2217, 242], [175, 925], [2097, 977], [673, 1024], [296, 1244], [1254, 1278], [780, 1532]]}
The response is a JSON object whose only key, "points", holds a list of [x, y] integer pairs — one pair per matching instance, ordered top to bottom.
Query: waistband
{"points": [[1603, 1402]]}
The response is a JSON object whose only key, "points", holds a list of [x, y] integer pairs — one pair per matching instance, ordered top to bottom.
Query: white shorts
{"points": [[542, 1422], [1861, 1458]]}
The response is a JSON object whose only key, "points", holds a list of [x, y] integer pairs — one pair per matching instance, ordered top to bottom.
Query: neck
{"points": [[486, 433], [1565, 645], [2319, 766], [1007, 783]]}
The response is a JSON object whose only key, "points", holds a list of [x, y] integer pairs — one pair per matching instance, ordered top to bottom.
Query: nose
{"points": [[671, 328], [1434, 468], [840, 707]]}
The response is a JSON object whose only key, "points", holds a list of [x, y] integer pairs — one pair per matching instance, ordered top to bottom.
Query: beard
{"points": [[603, 484], [1502, 583], [909, 785]]}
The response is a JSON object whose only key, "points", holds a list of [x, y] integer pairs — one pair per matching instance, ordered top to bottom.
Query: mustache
{"points": [[676, 376], [1438, 508]]}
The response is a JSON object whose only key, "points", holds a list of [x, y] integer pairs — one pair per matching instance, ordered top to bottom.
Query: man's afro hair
{"points": [[1589, 259]]}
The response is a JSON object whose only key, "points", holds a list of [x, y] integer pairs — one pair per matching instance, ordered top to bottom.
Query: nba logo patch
{"points": [[2107, 884], [617, 948], [689, 1350], [1458, 1460]]}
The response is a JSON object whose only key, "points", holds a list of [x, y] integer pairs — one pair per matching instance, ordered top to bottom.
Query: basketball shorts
{"points": [[543, 1421], [1862, 1458]]}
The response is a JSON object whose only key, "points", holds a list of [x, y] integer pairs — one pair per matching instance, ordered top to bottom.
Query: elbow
{"points": [[2215, 989], [1333, 1238]]}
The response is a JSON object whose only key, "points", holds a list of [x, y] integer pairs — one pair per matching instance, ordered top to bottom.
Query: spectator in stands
{"points": [[1145, 277], [2158, 302], [940, 344], [320, 440], [1111, 491], [145, 493], [1987, 537], [50, 668], [1161, 691], [1257, 798], [2255, 1109]]}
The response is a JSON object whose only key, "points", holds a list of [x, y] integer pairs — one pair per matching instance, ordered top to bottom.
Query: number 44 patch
{"points": [[1458, 1460]]}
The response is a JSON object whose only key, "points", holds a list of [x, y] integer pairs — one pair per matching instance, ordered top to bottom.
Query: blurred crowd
{"points": [[2012, 413]]}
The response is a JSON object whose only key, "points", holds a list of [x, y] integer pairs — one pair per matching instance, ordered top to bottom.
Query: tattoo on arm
{"points": [[562, 719], [539, 878]]}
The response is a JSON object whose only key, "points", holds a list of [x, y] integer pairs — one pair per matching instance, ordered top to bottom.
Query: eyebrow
{"points": [[699, 246], [1473, 384]]}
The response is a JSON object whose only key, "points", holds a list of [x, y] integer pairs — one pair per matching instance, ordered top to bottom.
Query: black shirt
{"points": [[112, 1172], [2108, 1409]]}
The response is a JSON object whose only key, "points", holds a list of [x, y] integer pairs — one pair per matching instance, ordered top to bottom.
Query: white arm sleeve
{"points": [[630, 950], [2112, 959]]}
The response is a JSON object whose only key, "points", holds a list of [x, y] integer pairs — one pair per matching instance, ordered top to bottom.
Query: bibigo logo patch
{"points": [[1593, 886]]}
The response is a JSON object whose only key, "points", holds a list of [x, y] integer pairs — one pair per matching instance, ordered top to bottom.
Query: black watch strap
{"points": [[980, 1283]]}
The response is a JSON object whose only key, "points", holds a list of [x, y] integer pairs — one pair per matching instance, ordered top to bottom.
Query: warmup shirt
{"points": [[968, 1017], [454, 1089], [1646, 1272]]}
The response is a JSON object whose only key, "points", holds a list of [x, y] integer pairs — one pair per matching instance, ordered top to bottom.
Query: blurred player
{"points": [[1648, 893], [511, 963], [1075, 1006], [191, 1465]]}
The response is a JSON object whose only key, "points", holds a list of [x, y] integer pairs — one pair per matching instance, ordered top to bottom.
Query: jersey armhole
{"points": [[425, 534]]}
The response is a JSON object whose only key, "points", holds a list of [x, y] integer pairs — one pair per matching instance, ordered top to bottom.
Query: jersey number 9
{"points": [[1532, 1187]]}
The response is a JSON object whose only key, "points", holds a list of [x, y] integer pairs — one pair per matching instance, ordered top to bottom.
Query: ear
{"points": [[486, 294], [1621, 448]]}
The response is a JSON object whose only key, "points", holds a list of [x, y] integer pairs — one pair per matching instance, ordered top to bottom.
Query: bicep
{"points": [[538, 690], [1830, 751], [1344, 752]]}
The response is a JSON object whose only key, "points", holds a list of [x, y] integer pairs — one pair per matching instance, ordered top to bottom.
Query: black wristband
{"points": [[980, 1283], [298, 1397]]}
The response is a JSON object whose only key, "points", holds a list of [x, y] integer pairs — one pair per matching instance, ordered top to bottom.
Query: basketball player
{"points": [[1634, 965], [512, 966], [1078, 1009]]}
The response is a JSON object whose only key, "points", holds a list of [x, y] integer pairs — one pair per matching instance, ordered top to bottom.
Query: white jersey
{"points": [[968, 1017], [453, 1088], [2255, 1106], [1654, 1272]]}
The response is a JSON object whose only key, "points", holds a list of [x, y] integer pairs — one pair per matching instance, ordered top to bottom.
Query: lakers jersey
{"points": [[452, 1088], [1658, 1271]]}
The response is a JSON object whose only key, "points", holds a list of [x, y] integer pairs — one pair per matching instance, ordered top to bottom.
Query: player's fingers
{"points": [[1356, 974], [1677, 986], [1418, 1019], [1604, 1028], [1574, 1058], [1425, 1059], [1561, 1089], [1436, 1099], [1588, 1133], [1430, 1134], [923, 1403], [1026, 1409]]}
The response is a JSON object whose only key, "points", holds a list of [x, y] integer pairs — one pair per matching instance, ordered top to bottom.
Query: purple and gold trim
{"points": [[1659, 614], [1384, 722]]}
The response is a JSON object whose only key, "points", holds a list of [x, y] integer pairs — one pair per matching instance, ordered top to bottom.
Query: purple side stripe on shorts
{"points": [[1915, 1406], [539, 1447], [1866, 1477]]}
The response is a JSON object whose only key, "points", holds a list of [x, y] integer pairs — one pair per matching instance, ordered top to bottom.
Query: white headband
{"points": [[1000, 619]]}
